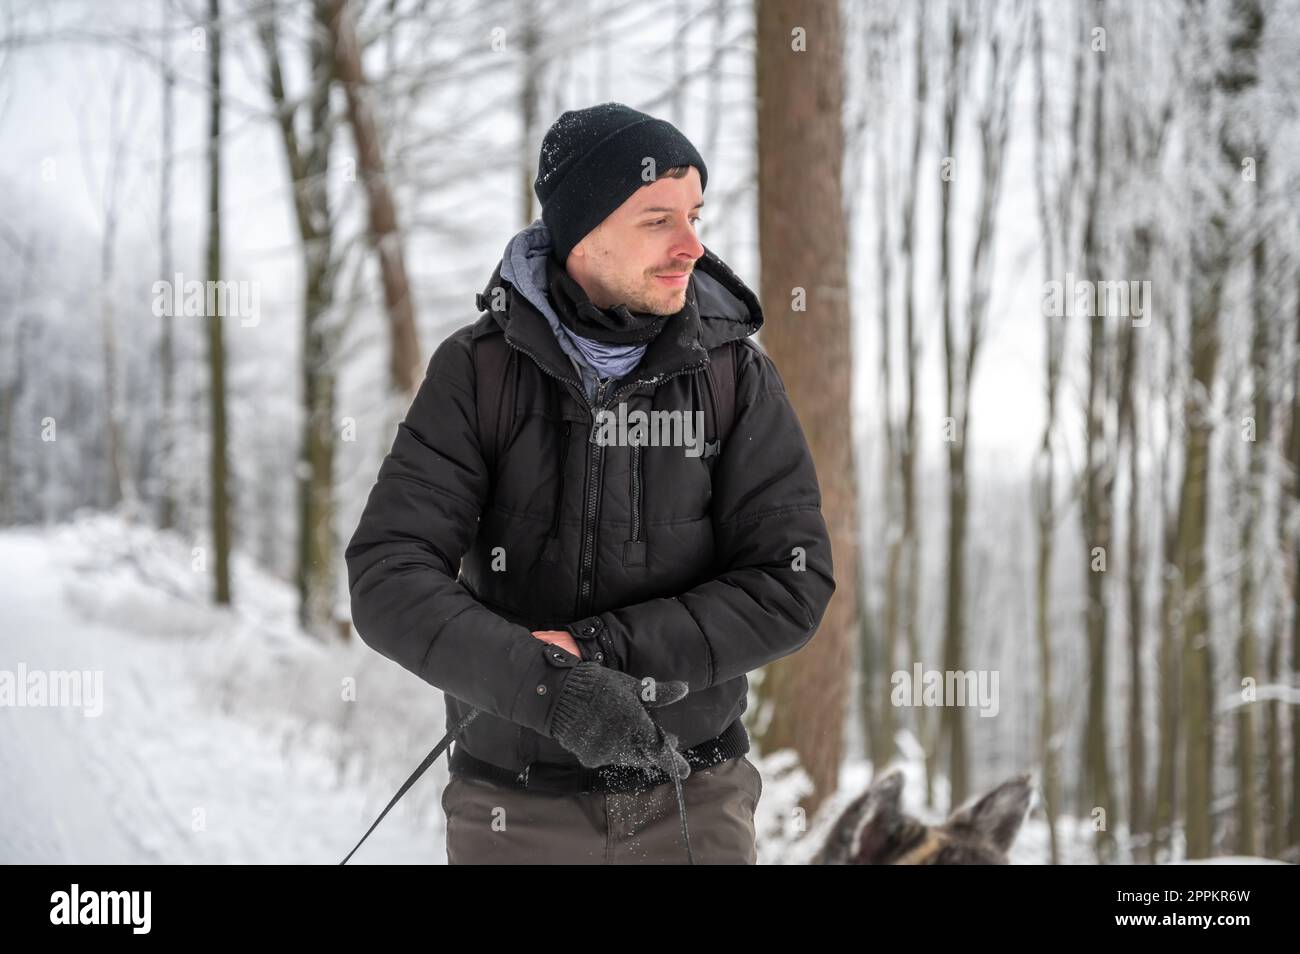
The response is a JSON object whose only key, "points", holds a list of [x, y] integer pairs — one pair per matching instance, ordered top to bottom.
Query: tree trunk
{"points": [[1001, 34], [529, 94], [308, 163], [1217, 222], [802, 240], [1057, 244], [166, 359], [405, 366], [908, 442], [220, 502], [1096, 512], [1136, 575], [950, 725], [882, 727], [1168, 736], [1293, 823], [1249, 841]]}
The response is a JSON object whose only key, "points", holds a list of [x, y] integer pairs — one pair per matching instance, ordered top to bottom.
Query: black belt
{"points": [[559, 779]]}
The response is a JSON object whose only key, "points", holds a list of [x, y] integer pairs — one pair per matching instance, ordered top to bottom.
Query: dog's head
{"points": [[874, 830]]}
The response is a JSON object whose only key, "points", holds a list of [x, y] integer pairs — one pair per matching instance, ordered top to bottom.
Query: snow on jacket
{"points": [[660, 561]]}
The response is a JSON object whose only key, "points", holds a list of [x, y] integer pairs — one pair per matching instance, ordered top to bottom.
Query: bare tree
{"points": [[1249, 25], [1000, 34], [955, 74], [1219, 83], [529, 95], [1147, 109], [895, 118], [307, 157], [107, 192], [1056, 195], [803, 246], [166, 358], [405, 365], [908, 438], [1293, 458], [219, 469], [1098, 483], [877, 710]]}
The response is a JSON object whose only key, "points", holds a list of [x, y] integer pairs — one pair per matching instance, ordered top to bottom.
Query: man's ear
{"points": [[589, 245]]}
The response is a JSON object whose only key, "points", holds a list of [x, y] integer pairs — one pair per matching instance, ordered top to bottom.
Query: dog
{"points": [[873, 830]]}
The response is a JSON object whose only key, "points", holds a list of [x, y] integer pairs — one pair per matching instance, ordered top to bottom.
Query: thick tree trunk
{"points": [[803, 245]]}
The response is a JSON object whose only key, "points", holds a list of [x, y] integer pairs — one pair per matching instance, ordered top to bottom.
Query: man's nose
{"points": [[685, 244]]}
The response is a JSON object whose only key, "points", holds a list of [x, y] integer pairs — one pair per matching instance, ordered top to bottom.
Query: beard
{"points": [[654, 298]]}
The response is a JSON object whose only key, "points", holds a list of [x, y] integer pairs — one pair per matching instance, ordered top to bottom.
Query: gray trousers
{"points": [[489, 824]]}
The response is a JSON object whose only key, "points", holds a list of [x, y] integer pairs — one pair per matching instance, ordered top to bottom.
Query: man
{"points": [[611, 594]]}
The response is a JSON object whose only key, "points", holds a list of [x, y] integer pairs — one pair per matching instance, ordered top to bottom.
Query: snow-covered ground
{"points": [[223, 737], [232, 737]]}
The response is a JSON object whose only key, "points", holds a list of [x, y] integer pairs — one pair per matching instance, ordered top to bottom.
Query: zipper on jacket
{"points": [[636, 492], [634, 547], [552, 552], [586, 560], [586, 585]]}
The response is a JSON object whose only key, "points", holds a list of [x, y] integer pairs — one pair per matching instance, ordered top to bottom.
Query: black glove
{"points": [[600, 716]]}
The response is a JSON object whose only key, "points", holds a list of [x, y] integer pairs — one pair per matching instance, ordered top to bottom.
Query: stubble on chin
{"points": [[668, 304]]}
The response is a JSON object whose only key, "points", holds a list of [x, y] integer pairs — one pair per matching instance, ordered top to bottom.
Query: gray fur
{"points": [[874, 830]]}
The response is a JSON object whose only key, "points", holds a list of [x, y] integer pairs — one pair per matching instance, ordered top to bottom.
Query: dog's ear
{"points": [[887, 790], [998, 815], [884, 831], [857, 835]]}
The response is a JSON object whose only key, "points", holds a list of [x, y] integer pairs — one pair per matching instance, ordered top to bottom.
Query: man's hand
{"points": [[559, 638], [602, 717]]}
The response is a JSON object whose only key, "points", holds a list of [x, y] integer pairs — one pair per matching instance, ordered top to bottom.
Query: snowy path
{"points": [[228, 737], [161, 775]]}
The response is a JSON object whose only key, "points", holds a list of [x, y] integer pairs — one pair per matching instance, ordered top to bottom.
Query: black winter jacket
{"points": [[662, 564]]}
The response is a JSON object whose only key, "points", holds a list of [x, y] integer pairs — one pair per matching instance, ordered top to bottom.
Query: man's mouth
{"points": [[674, 279]]}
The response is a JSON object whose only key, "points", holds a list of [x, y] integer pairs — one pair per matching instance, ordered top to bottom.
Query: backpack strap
{"points": [[495, 373], [721, 375]]}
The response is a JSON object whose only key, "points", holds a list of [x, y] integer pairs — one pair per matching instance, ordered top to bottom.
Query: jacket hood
{"points": [[727, 309]]}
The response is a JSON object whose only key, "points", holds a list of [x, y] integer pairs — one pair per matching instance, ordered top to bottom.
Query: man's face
{"points": [[652, 234]]}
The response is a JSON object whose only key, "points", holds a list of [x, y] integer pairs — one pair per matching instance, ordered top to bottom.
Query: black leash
{"points": [[450, 736], [429, 760], [681, 798]]}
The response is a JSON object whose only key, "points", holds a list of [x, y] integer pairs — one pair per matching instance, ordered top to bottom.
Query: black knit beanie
{"points": [[593, 159]]}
